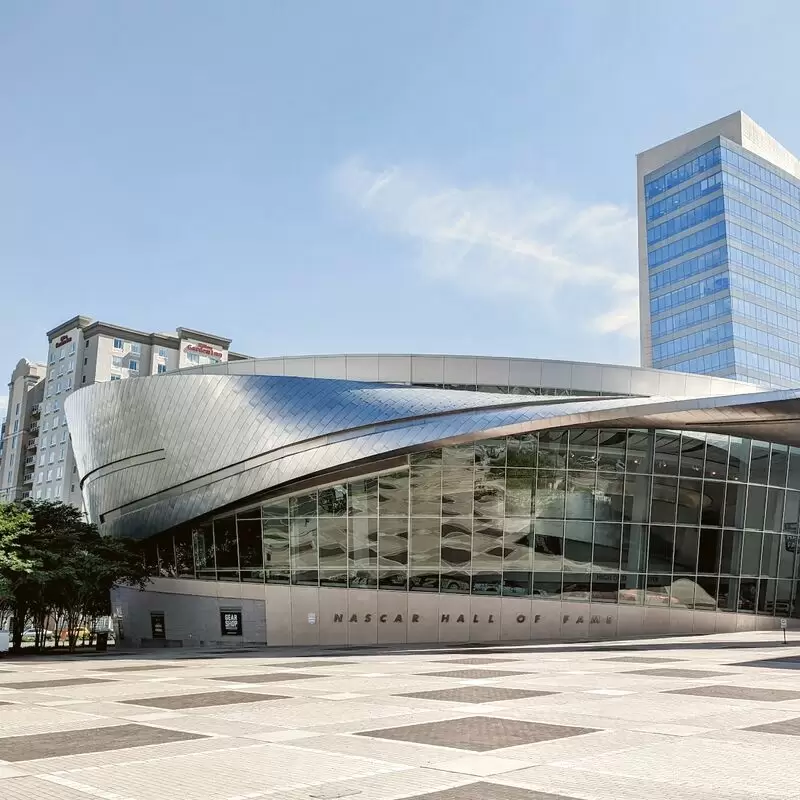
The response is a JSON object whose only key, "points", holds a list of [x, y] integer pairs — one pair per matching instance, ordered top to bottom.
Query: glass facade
{"points": [[723, 254], [638, 517]]}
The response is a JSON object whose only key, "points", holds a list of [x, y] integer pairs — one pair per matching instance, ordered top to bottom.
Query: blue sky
{"points": [[424, 176]]}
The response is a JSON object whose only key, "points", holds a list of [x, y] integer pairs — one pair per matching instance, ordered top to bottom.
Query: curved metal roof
{"points": [[155, 452]]}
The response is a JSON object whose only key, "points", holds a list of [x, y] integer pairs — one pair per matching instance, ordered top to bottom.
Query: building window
{"points": [[118, 344], [136, 348], [72, 349], [162, 352], [53, 357], [193, 358], [85, 361], [116, 361], [71, 365], [133, 365], [162, 368], [114, 378], [83, 379], [67, 384], [58, 387], [56, 405], [16, 410], [16, 426], [64, 435], [62, 453], [52, 458], [41, 459], [59, 473], [49, 475], [40, 477], [9, 479], [57, 491], [38, 494], [48, 494]]}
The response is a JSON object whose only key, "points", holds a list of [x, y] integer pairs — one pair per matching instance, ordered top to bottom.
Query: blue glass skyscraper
{"points": [[719, 254]]}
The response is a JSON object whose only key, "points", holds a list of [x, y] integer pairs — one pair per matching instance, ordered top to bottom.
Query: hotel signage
{"points": [[63, 340], [203, 349]]}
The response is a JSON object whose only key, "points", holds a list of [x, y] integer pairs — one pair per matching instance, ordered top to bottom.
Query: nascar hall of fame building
{"points": [[367, 499]]}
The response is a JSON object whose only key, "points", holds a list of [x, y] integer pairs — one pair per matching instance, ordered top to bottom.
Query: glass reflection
{"points": [[661, 518]]}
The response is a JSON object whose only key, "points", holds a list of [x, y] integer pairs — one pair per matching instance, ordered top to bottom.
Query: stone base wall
{"points": [[298, 615]]}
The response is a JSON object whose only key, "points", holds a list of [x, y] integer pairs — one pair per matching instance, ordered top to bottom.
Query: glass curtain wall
{"points": [[620, 516]]}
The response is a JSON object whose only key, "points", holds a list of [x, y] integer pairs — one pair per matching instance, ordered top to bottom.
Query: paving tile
{"points": [[641, 659], [476, 661], [669, 672], [472, 674], [268, 677], [54, 684], [609, 692], [740, 693], [477, 694], [203, 699], [787, 727], [478, 733], [86, 740], [481, 765], [489, 791]]}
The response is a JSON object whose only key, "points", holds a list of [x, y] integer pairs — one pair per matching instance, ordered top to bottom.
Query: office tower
{"points": [[719, 254]]}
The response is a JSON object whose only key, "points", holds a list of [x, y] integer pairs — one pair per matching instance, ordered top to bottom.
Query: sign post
{"points": [[784, 625]]}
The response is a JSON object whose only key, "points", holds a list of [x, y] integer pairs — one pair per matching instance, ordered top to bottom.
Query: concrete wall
{"points": [[307, 616]]}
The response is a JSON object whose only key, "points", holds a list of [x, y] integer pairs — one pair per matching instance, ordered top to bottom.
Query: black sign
{"points": [[231, 623], [157, 626]]}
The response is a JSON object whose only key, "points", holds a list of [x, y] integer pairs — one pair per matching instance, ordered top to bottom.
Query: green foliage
{"points": [[55, 564]]}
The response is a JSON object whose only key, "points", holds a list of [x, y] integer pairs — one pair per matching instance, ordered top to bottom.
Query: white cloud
{"points": [[511, 242], [3, 407]]}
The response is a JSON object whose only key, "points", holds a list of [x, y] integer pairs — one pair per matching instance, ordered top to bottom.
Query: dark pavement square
{"points": [[642, 659], [476, 661], [779, 662], [138, 668], [668, 672], [472, 674], [268, 677], [54, 684], [740, 693], [477, 694], [203, 700], [787, 727], [478, 733], [87, 740], [489, 791]]}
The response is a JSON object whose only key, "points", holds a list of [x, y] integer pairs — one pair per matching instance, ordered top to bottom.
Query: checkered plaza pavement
{"points": [[706, 718]]}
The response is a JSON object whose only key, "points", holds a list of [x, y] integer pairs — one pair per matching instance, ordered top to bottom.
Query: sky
{"points": [[310, 177]]}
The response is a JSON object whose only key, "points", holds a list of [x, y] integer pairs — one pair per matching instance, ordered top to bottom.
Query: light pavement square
{"points": [[582, 721]]}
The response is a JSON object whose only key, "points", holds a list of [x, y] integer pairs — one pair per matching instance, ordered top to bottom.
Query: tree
{"points": [[16, 527], [72, 569]]}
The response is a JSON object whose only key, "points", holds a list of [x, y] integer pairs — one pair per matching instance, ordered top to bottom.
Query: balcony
{"points": [[36, 409], [34, 428], [33, 443], [30, 461], [27, 478]]}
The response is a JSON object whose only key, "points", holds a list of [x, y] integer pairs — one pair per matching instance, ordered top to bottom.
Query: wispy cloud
{"points": [[511, 242]]}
